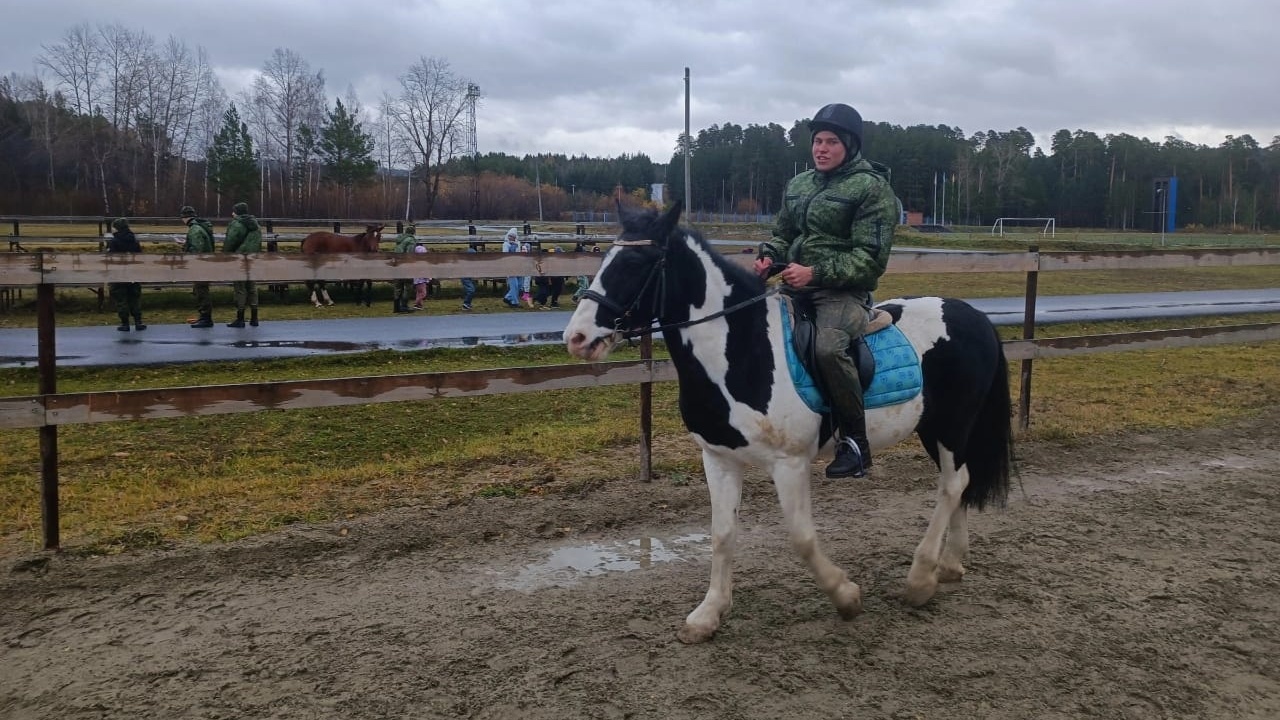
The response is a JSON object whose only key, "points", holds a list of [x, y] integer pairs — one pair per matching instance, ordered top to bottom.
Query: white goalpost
{"points": [[1047, 225]]}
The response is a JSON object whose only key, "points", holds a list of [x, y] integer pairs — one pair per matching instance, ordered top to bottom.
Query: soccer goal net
{"points": [[1044, 225]]}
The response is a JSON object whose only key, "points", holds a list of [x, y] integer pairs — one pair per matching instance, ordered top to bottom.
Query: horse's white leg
{"points": [[325, 293], [315, 300], [791, 479], [724, 480], [955, 547], [922, 580]]}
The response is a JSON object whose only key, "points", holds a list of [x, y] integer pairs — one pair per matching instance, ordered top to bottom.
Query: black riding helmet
{"points": [[842, 120]]}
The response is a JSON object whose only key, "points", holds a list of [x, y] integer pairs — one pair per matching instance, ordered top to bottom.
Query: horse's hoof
{"points": [[950, 573], [917, 594], [848, 601], [690, 635]]}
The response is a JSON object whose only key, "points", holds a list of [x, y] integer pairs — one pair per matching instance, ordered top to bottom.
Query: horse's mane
{"points": [[644, 224]]}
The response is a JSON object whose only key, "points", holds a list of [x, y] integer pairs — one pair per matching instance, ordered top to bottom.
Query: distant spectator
{"points": [[243, 236], [199, 240], [404, 244], [510, 244], [526, 281], [584, 281], [421, 284], [468, 286], [549, 289], [127, 295]]}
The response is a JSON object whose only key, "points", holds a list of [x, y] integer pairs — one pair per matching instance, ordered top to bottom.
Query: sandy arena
{"points": [[1132, 577]]}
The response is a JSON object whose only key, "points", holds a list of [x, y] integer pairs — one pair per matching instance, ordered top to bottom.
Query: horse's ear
{"points": [[668, 222]]}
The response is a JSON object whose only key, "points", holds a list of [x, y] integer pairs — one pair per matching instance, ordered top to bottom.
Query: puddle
{"points": [[571, 564]]}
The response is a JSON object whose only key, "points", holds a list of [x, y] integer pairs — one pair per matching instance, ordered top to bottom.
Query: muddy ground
{"points": [[1136, 577]]}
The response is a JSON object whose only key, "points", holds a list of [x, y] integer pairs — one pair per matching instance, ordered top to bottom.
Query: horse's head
{"points": [[372, 237], [627, 292]]}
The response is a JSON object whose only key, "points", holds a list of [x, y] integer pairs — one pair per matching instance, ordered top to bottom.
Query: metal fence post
{"points": [[1028, 333]]}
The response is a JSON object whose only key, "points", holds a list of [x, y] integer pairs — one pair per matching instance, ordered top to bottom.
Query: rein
{"points": [[658, 273]]}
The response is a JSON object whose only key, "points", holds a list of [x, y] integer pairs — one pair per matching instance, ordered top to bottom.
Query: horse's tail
{"points": [[989, 454]]}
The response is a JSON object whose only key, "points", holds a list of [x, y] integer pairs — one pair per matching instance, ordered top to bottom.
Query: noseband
{"points": [[658, 274]]}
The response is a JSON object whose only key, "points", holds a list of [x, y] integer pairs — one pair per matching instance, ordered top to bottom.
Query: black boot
{"points": [[402, 306], [253, 316], [204, 321], [239, 321], [124, 322], [137, 323], [853, 458]]}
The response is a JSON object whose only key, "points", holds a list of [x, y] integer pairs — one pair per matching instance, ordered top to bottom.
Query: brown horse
{"points": [[326, 242]]}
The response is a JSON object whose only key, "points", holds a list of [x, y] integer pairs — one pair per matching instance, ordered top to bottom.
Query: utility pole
{"points": [[688, 143], [537, 180], [944, 198], [934, 220]]}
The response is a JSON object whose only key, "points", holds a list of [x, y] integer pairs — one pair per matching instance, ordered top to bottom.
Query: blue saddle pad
{"points": [[897, 378]]}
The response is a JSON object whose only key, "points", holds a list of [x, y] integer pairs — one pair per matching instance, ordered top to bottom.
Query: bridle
{"points": [[658, 274]]}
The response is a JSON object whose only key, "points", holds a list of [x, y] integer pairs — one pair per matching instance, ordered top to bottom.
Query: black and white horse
{"points": [[726, 339]]}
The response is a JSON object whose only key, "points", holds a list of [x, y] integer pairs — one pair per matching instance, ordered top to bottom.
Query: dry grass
{"points": [[223, 477]]}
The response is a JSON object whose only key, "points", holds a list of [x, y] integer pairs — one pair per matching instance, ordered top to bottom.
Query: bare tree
{"points": [[77, 63], [286, 96], [429, 115], [392, 151]]}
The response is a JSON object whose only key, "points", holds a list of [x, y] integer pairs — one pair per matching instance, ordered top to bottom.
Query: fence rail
{"points": [[49, 409]]}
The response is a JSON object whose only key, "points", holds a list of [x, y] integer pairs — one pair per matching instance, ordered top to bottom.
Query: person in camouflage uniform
{"points": [[834, 231], [243, 236], [199, 240], [403, 286], [127, 295]]}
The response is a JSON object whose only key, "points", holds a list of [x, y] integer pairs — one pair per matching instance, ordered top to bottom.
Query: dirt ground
{"points": [[1135, 577]]}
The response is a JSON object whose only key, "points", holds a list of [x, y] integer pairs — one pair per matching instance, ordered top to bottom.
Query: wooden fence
{"points": [[49, 409]]}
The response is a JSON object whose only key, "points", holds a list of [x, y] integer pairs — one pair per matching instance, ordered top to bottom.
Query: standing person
{"points": [[835, 231], [243, 236], [199, 240], [404, 244], [510, 244], [526, 281], [584, 281], [419, 284], [468, 285], [549, 289], [126, 295]]}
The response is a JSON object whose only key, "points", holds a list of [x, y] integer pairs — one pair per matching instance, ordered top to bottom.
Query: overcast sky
{"points": [[606, 77]]}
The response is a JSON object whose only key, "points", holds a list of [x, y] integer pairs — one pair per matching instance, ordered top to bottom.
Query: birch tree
{"points": [[286, 96], [429, 115]]}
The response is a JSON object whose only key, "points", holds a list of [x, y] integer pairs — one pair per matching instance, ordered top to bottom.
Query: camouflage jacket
{"points": [[838, 223], [243, 235], [199, 236], [405, 243]]}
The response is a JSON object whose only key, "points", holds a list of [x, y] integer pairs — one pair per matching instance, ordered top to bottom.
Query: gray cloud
{"points": [[599, 77]]}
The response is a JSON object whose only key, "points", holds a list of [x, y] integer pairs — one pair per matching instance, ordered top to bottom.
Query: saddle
{"points": [[888, 367]]}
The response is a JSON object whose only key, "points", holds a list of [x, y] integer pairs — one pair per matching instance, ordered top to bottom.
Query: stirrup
{"points": [[848, 462]]}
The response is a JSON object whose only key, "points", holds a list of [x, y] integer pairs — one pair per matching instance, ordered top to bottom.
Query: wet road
{"points": [[160, 344]]}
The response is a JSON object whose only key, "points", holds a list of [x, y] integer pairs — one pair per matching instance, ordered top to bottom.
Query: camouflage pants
{"points": [[403, 290], [245, 291], [127, 297], [204, 303], [841, 317]]}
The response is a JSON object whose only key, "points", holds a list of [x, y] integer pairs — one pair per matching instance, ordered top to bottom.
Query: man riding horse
{"points": [[835, 229]]}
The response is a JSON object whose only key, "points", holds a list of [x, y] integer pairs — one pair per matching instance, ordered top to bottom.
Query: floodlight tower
{"points": [[473, 148]]}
